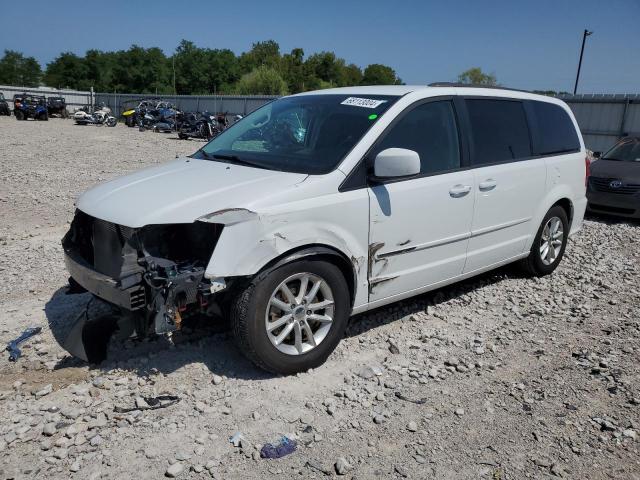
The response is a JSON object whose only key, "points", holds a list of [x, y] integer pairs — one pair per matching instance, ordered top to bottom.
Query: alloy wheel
{"points": [[551, 240], [299, 313]]}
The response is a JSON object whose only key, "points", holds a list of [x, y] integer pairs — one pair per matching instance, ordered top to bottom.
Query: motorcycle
{"points": [[132, 115], [102, 116], [162, 118], [198, 125]]}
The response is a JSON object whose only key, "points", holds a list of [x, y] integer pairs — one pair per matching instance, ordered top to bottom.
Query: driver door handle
{"points": [[487, 185], [459, 190]]}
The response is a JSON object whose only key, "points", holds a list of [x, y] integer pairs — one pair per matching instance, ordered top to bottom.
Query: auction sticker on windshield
{"points": [[362, 102]]}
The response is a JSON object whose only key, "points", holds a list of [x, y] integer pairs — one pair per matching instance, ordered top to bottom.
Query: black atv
{"points": [[4, 106], [27, 106], [57, 107]]}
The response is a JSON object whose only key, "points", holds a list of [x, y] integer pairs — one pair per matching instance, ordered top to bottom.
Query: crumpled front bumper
{"points": [[103, 286]]}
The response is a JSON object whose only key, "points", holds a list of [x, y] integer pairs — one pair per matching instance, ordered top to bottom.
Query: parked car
{"points": [[4, 106], [27, 106], [57, 106], [614, 184], [326, 204]]}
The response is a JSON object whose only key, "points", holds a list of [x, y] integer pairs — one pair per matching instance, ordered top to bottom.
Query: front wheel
{"points": [[19, 115], [111, 121], [549, 244], [290, 319]]}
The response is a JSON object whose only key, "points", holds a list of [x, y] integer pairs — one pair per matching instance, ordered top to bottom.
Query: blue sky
{"points": [[529, 45]]}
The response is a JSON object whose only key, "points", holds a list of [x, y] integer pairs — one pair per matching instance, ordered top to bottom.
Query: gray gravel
{"points": [[498, 377]]}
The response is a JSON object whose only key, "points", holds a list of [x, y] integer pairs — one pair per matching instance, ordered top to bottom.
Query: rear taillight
{"points": [[587, 170]]}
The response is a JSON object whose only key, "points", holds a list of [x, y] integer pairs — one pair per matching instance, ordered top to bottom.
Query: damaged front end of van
{"points": [[154, 274]]}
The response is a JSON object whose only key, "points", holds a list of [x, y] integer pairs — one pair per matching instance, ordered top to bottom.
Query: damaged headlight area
{"points": [[155, 274]]}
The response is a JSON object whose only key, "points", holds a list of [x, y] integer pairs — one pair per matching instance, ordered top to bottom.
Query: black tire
{"points": [[19, 115], [533, 264], [248, 310]]}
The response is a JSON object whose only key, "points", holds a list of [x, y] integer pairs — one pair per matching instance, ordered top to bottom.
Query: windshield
{"points": [[306, 134], [627, 150]]}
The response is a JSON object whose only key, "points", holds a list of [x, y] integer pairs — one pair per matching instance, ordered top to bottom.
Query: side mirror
{"points": [[597, 154], [395, 163]]}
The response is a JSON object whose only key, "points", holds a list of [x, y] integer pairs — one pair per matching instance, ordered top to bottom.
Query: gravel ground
{"points": [[499, 377]]}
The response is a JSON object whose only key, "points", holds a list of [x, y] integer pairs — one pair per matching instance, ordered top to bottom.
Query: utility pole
{"points": [[584, 38], [174, 75]]}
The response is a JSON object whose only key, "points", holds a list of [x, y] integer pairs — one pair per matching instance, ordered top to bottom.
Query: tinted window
{"points": [[429, 129], [499, 131], [556, 133]]}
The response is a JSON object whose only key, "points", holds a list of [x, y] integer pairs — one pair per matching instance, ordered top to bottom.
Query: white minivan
{"points": [[322, 205]]}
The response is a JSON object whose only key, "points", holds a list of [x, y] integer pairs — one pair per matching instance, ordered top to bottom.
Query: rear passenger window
{"points": [[429, 129], [499, 131], [556, 133]]}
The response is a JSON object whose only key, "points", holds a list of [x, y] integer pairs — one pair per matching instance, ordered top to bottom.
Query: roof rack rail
{"points": [[474, 85]]}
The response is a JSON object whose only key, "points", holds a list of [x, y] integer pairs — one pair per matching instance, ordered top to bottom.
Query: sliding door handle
{"points": [[487, 185], [459, 190]]}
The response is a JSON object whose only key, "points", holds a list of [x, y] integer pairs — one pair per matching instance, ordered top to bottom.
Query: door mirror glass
{"points": [[395, 163]]}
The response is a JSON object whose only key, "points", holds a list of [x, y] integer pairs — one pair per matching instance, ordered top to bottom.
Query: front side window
{"points": [[555, 129], [430, 130], [499, 131], [303, 134]]}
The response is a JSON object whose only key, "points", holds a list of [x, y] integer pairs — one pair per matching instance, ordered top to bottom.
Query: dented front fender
{"points": [[251, 240]]}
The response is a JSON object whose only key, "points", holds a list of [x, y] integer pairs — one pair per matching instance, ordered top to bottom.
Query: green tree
{"points": [[266, 53], [326, 66], [16, 69], [223, 69], [99, 70], [141, 70], [294, 70], [66, 71], [377, 74], [350, 75], [476, 76], [262, 81]]}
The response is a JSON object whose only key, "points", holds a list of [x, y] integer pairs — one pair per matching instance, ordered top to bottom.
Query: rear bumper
{"points": [[614, 204], [104, 287]]}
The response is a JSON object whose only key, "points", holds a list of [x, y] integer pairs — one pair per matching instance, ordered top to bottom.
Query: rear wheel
{"points": [[19, 115], [549, 244], [290, 319]]}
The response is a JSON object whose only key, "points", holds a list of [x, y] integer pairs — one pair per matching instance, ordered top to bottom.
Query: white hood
{"points": [[181, 191]]}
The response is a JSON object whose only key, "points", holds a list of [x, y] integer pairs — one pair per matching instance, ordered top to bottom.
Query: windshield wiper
{"points": [[234, 159]]}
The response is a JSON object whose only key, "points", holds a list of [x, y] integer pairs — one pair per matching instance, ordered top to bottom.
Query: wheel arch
{"points": [[567, 206], [347, 266]]}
